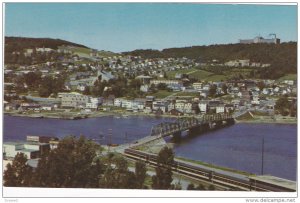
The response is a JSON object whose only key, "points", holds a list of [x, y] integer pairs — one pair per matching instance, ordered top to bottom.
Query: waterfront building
{"points": [[74, 100], [93, 103], [163, 106]]}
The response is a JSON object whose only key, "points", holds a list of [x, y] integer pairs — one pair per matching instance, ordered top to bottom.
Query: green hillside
{"points": [[20, 43], [282, 57]]}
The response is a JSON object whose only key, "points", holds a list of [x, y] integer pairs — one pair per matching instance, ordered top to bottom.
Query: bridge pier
{"points": [[230, 121], [219, 124], [205, 127], [195, 130], [177, 136]]}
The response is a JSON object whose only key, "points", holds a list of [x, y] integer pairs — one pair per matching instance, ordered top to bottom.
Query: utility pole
{"points": [[109, 137], [125, 138], [262, 156]]}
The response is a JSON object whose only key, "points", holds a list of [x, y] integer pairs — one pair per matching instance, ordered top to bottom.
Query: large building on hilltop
{"points": [[259, 39]]}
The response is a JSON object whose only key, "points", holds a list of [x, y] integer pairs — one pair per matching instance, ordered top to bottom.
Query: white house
{"points": [[288, 82], [197, 85], [81, 87], [144, 88], [118, 102], [93, 103], [156, 105], [171, 106], [179, 106], [203, 106], [47, 107], [188, 107], [220, 108]]}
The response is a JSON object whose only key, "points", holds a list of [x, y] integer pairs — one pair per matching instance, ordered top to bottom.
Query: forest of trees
{"points": [[19, 44], [282, 57], [76, 163]]}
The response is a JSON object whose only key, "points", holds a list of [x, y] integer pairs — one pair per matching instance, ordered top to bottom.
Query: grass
{"points": [[81, 50], [171, 74], [200, 74], [288, 77], [216, 78], [34, 93], [162, 94], [188, 94], [227, 97], [257, 113], [245, 116], [214, 166]]}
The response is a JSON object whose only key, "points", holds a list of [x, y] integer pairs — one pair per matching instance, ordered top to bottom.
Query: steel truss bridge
{"points": [[193, 124]]}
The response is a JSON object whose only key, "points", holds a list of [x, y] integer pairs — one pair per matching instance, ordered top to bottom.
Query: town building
{"points": [[259, 39], [105, 76], [167, 82], [74, 100], [203, 106], [32, 150]]}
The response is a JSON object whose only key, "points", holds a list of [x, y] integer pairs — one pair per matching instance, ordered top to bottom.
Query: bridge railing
{"points": [[185, 123]]}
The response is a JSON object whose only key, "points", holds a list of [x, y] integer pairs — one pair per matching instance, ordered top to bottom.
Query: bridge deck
{"points": [[182, 124]]}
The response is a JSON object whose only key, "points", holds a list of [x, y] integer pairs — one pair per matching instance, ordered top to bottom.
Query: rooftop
{"points": [[12, 143], [27, 150]]}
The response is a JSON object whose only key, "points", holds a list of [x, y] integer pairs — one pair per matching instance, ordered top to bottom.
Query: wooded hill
{"points": [[20, 43], [282, 57]]}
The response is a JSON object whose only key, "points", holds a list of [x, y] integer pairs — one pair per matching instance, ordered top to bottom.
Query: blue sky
{"points": [[124, 27]]}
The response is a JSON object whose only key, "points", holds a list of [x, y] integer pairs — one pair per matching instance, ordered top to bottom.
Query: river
{"points": [[238, 146]]}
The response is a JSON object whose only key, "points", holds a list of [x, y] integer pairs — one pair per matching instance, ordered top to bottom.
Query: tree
{"points": [[32, 79], [135, 84], [261, 85], [162, 86], [224, 88], [87, 90], [212, 90], [282, 105], [69, 165], [18, 173], [140, 173], [9, 176], [118, 176], [163, 177], [176, 186], [191, 186], [200, 187], [211, 187]]}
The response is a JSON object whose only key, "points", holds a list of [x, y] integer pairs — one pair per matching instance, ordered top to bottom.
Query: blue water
{"points": [[112, 129], [238, 146]]}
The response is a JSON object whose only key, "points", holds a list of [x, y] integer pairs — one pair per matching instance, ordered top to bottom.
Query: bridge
{"points": [[192, 124]]}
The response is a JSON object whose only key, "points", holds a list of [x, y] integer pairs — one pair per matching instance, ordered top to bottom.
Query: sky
{"points": [[122, 27]]}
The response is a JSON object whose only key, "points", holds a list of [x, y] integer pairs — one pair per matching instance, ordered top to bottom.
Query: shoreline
{"points": [[74, 116], [84, 116], [268, 121]]}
